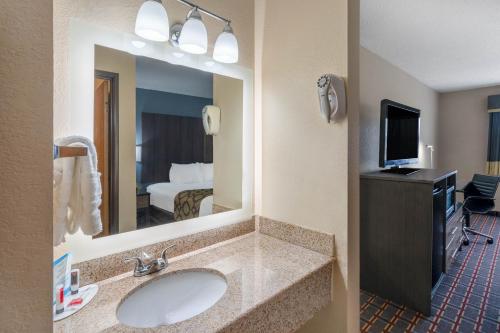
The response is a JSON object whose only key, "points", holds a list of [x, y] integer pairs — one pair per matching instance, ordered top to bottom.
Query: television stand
{"points": [[401, 171], [406, 239]]}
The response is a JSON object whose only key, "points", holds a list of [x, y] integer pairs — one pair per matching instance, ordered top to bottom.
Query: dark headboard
{"points": [[170, 139]]}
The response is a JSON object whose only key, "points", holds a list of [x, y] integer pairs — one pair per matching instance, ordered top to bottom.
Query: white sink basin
{"points": [[171, 298]]}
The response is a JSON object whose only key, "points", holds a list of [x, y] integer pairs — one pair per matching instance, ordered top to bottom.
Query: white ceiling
{"points": [[446, 44]]}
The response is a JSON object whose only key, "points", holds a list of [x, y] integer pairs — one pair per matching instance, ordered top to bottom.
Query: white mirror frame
{"points": [[83, 38]]}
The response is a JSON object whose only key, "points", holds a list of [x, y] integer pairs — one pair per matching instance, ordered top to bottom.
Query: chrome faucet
{"points": [[148, 266]]}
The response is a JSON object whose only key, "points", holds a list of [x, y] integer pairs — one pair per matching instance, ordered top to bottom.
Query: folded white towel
{"points": [[77, 191]]}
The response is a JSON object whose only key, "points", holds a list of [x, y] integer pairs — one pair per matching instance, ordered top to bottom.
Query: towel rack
{"points": [[67, 151]]}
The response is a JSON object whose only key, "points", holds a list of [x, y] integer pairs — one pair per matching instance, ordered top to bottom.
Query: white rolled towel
{"points": [[77, 191]]}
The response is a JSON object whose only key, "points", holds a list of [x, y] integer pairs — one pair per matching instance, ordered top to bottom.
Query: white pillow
{"points": [[207, 171], [185, 173]]}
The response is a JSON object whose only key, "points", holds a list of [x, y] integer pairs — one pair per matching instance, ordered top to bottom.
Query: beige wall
{"points": [[120, 15], [114, 61], [379, 80], [353, 102], [463, 131], [228, 143], [304, 163], [26, 166]]}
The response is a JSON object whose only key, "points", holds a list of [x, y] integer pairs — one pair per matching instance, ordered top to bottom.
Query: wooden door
{"points": [[102, 89]]}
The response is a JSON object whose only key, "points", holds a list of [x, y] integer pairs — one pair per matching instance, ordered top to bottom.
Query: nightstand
{"points": [[142, 203]]}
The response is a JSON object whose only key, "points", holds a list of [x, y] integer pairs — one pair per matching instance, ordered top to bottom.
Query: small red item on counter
{"points": [[61, 295], [60, 299], [76, 301]]}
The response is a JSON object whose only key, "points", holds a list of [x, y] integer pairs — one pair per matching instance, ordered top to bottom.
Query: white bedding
{"points": [[163, 195]]}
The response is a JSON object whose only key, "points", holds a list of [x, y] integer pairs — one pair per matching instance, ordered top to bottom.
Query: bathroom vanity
{"points": [[272, 286]]}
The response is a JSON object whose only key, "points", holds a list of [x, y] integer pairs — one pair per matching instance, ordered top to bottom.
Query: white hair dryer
{"points": [[331, 91], [211, 119]]}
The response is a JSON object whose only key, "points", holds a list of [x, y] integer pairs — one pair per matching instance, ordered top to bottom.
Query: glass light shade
{"points": [[152, 22], [193, 38], [226, 48]]}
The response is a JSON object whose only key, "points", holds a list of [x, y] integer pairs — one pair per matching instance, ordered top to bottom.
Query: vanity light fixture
{"points": [[152, 21], [191, 37], [226, 46]]}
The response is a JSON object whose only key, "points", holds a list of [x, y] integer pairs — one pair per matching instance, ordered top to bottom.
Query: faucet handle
{"points": [[164, 252], [139, 262]]}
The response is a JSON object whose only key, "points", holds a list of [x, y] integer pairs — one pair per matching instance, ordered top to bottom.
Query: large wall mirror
{"points": [[168, 140], [166, 169]]}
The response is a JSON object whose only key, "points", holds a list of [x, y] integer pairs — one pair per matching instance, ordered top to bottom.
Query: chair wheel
{"points": [[489, 241], [465, 242]]}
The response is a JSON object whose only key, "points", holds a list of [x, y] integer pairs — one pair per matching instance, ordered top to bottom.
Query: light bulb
{"points": [[152, 22], [193, 38], [226, 46]]}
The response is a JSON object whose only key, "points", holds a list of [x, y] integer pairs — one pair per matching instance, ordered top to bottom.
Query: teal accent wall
{"points": [[153, 101]]}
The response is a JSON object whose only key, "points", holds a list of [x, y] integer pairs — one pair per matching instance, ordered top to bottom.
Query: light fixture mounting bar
{"points": [[209, 13]]}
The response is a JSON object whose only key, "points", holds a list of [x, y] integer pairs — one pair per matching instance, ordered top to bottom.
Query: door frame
{"points": [[113, 142]]}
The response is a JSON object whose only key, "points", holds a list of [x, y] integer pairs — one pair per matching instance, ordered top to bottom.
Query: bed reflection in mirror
{"points": [[168, 141]]}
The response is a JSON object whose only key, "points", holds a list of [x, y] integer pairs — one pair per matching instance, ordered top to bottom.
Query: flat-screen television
{"points": [[399, 134]]}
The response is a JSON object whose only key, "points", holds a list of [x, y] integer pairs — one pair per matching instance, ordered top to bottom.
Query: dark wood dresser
{"points": [[410, 233]]}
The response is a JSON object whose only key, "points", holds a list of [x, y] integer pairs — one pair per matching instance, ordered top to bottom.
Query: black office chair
{"points": [[479, 198]]}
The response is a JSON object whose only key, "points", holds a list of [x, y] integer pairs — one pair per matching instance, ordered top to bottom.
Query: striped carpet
{"points": [[468, 299]]}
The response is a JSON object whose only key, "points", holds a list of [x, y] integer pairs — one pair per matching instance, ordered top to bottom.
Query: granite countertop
{"points": [[259, 270]]}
